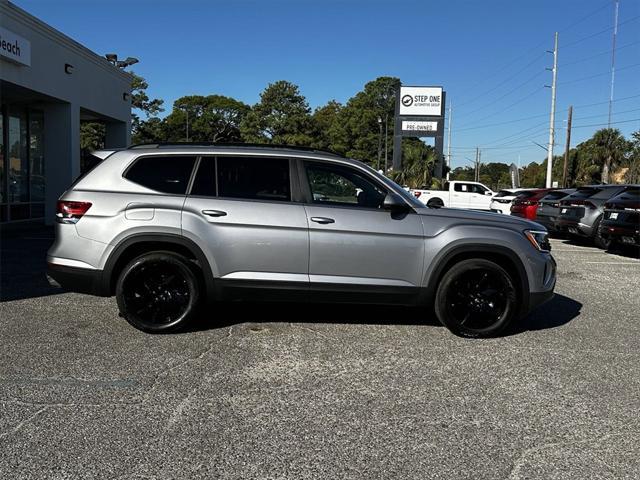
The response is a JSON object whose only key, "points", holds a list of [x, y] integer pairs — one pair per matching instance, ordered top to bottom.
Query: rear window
{"points": [[166, 174], [254, 178], [585, 192], [504, 193], [607, 193], [632, 193], [523, 195], [555, 195]]}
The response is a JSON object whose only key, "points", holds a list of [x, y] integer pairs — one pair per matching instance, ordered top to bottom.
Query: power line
{"points": [[580, 40], [608, 52], [589, 77], [503, 82], [538, 89], [584, 105], [604, 114], [602, 124]]}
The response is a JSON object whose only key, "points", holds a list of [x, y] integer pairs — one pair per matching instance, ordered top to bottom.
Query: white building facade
{"points": [[49, 84]]}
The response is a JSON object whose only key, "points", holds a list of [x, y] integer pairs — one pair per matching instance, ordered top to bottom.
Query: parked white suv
{"points": [[456, 194], [502, 201]]}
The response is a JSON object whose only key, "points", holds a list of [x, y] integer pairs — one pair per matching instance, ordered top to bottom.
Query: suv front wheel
{"points": [[158, 292], [476, 298]]}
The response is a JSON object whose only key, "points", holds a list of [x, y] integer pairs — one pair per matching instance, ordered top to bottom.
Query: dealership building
{"points": [[49, 84]]}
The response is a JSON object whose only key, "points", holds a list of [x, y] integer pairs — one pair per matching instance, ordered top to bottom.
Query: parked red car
{"points": [[526, 203]]}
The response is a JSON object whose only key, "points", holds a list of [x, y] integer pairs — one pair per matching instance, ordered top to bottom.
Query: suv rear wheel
{"points": [[158, 292], [476, 298]]}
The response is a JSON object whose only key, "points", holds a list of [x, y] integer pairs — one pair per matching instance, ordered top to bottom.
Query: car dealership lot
{"points": [[285, 391]]}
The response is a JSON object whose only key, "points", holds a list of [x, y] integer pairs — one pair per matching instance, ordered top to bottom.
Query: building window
{"points": [[22, 179]]}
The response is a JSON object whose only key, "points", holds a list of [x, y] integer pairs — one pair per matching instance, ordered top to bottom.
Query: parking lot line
{"points": [[616, 263]]}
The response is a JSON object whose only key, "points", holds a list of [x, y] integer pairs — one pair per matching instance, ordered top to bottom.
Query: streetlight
{"points": [[112, 58], [186, 111], [379, 143]]}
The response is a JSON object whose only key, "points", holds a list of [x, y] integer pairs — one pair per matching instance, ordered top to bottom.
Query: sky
{"points": [[490, 56]]}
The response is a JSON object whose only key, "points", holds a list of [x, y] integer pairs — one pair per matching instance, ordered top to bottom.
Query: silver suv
{"points": [[169, 227]]}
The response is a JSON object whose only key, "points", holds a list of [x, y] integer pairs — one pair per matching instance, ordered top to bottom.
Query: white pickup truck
{"points": [[457, 194]]}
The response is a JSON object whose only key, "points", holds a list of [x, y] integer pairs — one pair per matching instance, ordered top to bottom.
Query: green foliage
{"points": [[282, 116], [213, 118], [92, 136], [419, 161]]}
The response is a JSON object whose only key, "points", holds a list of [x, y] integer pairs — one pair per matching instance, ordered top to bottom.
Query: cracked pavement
{"points": [[286, 392]]}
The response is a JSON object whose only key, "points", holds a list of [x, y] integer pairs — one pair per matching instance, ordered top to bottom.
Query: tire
{"points": [[435, 203], [600, 241], [158, 292], [476, 298]]}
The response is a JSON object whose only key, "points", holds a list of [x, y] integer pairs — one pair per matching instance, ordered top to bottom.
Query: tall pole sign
{"points": [[419, 113]]}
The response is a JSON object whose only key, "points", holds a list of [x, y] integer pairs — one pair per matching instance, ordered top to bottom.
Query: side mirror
{"points": [[489, 192], [394, 203]]}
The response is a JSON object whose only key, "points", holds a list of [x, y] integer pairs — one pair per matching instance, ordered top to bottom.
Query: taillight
{"points": [[417, 194], [578, 203], [71, 212]]}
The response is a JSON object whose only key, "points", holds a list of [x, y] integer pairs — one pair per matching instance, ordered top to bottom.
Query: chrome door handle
{"points": [[214, 213], [323, 220]]}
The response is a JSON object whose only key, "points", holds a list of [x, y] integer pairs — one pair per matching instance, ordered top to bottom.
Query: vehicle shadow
{"points": [[23, 263], [557, 312]]}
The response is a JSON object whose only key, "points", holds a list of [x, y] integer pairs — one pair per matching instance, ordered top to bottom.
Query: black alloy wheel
{"points": [[158, 292], [476, 298]]}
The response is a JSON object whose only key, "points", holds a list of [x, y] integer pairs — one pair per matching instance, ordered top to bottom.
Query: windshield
{"points": [[408, 196]]}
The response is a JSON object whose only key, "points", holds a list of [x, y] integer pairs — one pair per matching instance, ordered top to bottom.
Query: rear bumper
{"points": [[574, 227], [620, 233], [74, 279]]}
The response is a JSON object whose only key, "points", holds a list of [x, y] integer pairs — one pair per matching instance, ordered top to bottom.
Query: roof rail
{"points": [[231, 144]]}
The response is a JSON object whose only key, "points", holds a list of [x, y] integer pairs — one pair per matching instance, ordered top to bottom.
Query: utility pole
{"points": [[613, 62], [552, 118], [386, 136], [449, 141], [566, 148], [477, 173]]}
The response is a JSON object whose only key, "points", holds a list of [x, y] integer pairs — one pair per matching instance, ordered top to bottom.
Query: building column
{"points": [[118, 134], [61, 152]]}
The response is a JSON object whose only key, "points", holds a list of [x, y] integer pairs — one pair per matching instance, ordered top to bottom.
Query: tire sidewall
{"points": [[189, 276], [446, 283]]}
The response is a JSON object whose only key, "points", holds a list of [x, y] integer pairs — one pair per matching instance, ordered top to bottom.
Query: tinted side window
{"points": [[168, 174], [254, 178], [205, 182], [331, 184], [461, 187]]}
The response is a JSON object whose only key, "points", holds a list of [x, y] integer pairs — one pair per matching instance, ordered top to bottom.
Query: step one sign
{"points": [[416, 101], [419, 126]]}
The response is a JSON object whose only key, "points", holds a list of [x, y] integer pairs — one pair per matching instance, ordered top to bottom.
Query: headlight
{"points": [[539, 239]]}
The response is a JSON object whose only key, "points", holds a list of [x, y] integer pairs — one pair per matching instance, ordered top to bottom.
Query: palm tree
{"points": [[607, 148], [418, 163]]}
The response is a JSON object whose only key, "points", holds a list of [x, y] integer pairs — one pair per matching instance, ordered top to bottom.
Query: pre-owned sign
{"points": [[14, 47], [416, 101], [418, 126]]}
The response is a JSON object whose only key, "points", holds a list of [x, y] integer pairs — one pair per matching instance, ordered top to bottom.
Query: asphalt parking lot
{"points": [[288, 392]]}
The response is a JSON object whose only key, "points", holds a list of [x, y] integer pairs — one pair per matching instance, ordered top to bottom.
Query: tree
{"points": [[141, 103], [281, 117], [212, 118], [359, 119], [327, 128], [607, 148], [418, 165], [632, 175]]}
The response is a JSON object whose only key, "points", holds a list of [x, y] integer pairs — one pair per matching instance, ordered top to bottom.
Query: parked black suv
{"points": [[581, 212], [621, 223]]}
